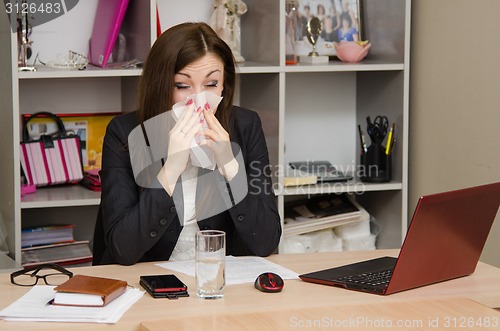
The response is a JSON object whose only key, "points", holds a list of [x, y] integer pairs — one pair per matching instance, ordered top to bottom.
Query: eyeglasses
{"points": [[52, 274]]}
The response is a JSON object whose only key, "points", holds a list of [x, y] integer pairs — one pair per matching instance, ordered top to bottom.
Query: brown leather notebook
{"points": [[81, 290]]}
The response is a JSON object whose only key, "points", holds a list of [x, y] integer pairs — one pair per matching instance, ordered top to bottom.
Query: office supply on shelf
{"points": [[107, 23], [377, 130], [390, 137], [362, 141], [52, 159], [376, 160], [324, 170], [295, 177], [92, 180], [321, 212], [47, 234], [442, 243], [72, 253], [241, 269], [88, 291], [33, 307]]}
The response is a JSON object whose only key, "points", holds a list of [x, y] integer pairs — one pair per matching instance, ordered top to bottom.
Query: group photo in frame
{"points": [[340, 21]]}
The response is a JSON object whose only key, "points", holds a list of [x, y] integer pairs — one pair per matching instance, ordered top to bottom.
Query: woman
{"points": [[347, 32], [137, 223]]}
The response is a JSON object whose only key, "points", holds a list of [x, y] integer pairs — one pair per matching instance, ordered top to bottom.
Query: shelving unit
{"points": [[92, 90], [307, 111]]}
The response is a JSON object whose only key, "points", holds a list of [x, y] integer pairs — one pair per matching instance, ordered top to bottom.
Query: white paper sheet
{"points": [[244, 269], [33, 306]]}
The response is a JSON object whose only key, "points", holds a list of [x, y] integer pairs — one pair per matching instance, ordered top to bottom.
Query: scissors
{"points": [[378, 128]]}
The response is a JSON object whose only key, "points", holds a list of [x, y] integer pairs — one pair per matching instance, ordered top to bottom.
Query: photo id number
{"points": [[33, 8], [471, 322]]}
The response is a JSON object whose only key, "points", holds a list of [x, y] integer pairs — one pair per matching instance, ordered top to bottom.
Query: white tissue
{"points": [[201, 155]]}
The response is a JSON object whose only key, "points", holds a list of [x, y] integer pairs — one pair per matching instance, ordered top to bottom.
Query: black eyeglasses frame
{"points": [[36, 269]]}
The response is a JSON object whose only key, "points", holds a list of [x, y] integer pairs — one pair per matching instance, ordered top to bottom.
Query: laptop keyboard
{"points": [[369, 278]]}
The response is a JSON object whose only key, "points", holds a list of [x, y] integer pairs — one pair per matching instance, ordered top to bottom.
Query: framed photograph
{"points": [[340, 21], [91, 129]]}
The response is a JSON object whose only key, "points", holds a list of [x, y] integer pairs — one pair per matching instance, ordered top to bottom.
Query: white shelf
{"points": [[333, 66], [241, 68], [256, 68], [91, 71], [349, 187], [63, 196]]}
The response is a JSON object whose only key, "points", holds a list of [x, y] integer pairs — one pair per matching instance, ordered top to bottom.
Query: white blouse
{"points": [[184, 249]]}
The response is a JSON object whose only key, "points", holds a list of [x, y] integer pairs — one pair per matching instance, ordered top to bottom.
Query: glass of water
{"points": [[210, 264]]}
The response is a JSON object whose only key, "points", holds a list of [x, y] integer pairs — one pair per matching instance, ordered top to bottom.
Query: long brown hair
{"points": [[176, 48]]}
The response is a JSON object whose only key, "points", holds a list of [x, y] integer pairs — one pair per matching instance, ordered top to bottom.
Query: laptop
{"points": [[323, 170], [444, 241]]}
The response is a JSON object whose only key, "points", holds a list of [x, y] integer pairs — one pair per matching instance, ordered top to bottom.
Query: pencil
{"points": [[388, 145]]}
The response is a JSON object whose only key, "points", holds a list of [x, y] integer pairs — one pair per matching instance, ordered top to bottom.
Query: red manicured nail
{"points": [[190, 101], [207, 106], [198, 110], [202, 120]]}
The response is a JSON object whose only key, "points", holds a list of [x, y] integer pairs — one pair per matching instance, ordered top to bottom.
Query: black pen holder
{"points": [[375, 165]]}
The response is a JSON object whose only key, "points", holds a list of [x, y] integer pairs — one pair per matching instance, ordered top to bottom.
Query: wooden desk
{"points": [[483, 287], [449, 314]]}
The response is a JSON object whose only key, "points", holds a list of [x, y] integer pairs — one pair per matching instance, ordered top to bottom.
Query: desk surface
{"points": [[482, 287]]}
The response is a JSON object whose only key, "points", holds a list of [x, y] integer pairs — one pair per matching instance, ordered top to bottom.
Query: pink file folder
{"points": [[107, 23]]}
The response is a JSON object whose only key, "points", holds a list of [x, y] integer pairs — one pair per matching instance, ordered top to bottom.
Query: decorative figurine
{"points": [[225, 20]]}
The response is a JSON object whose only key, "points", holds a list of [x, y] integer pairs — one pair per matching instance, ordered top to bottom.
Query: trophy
{"points": [[313, 31]]}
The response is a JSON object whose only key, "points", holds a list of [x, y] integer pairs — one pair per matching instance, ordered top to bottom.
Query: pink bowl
{"points": [[351, 51]]}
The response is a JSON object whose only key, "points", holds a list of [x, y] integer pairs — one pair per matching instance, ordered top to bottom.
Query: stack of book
{"points": [[296, 177], [321, 212], [53, 244]]}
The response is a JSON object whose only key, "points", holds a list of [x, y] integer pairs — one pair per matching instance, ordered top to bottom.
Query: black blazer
{"points": [[137, 224]]}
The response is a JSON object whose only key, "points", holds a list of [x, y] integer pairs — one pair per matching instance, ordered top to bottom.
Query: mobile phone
{"points": [[162, 283]]}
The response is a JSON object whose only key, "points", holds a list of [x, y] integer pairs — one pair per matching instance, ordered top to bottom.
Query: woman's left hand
{"points": [[217, 139]]}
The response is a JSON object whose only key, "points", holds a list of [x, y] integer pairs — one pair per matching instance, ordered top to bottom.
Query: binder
{"points": [[107, 23]]}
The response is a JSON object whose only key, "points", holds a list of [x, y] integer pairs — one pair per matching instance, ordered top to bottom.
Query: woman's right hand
{"points": [[179, 143]]}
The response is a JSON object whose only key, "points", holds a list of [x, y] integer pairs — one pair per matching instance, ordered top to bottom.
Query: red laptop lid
{"points": [[446, 236]]}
